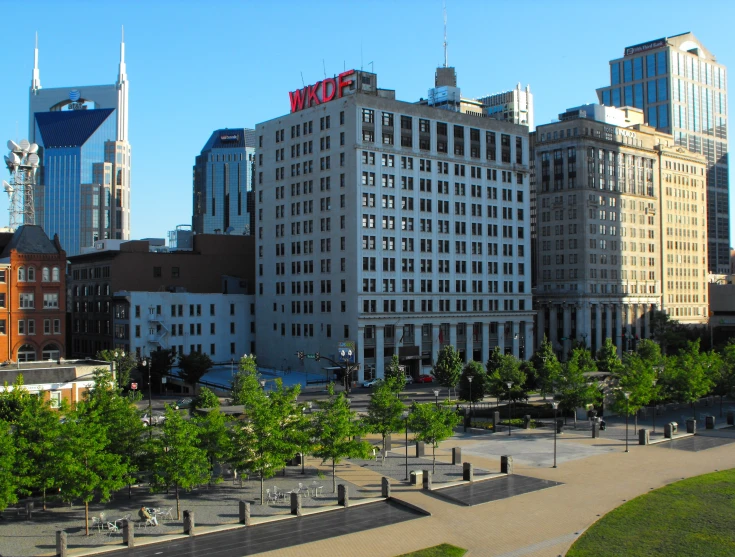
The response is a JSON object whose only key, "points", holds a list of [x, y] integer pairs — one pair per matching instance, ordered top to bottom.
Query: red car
{"points": [[423, 378]]}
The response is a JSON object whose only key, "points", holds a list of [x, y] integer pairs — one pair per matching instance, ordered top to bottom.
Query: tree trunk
{"points": [[721, 397], [636, 422], [384, 443], [303, 460], [433, 464], [334, 476], [262, 485], [44, 490], [178, 507], [86, 518]]}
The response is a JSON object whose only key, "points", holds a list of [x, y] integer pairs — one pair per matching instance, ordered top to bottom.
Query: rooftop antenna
{"points": [[360, 55], [446, 57], [324, 67], [302, 80]]}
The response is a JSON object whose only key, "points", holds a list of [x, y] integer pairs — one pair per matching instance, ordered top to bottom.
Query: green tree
{"points": [[650, 352], [608, 359], [125, 362], [194, 366], [246, 368], [448, 368], [508, 368], [548, 368], [476, 371], [725, 373], [395, 375], [687, 376], [636, 377], [574, 389], [205, 399], [12, 400], [384, 411], [432, 424], [336, 429], [299, 433], [214, 438], [261, 440], [179, 462], [85, 464], [8, 480]]}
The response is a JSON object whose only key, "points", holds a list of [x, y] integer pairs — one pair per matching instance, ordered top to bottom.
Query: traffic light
{"points": [[300, 355], [317, 357]]}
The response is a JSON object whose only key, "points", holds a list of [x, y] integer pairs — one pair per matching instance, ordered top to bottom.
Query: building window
{"points": [[156, 272], [174, 272], [21, 274], [31, 274], [45, 274], [55, 274], [2, 276], [2, 300], [26, 301], [50, 301], [31, 326], [2, 327], [21, 327], [57, 327], [26, 353], [54, 398]]}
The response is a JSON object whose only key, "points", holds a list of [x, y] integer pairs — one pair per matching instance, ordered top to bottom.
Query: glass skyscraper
{"points": [[682, 91], [83, 191]]}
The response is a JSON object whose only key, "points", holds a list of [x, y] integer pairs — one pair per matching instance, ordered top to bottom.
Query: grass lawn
{"points": [[692, 517], [443, 550]]}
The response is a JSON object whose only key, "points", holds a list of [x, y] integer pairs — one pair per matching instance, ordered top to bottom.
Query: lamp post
{"points": [[584, 339], [147, 364], [232, 368], [469, 378], [262, 384], [510, 385], [436, 396], [653, 399], [555, 404], [627, 412], [405, 417]]}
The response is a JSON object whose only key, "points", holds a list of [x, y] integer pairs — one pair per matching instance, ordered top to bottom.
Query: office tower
{"points": [[682, 91], [514, 106], [223, 178], [83, 191], [391, 226], [620, 228]]}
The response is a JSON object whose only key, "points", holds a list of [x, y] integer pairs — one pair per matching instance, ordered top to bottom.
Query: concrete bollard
{"points": [[731, 418], [496, 421], [709, 422], [691, 426], [595, 429], [669, 430], [644, 437], [388, 442], [420, 449], [456, 456], [506, 464], [468, 472], [416, 477], [427, 480], [385, 487], [343, 496], [296, 504], [244, 512], [189, 523], [128, 532], [60, 543]]}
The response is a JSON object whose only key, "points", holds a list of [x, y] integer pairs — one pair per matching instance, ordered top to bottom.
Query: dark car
{"points": [[423, 378], [184, 403]]}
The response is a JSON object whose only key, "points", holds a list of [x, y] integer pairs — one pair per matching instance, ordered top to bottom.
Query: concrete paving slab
{"points": [[477, 493]]}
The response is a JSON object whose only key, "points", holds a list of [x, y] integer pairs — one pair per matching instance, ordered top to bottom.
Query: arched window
{"points": [[21, 274], [31, 274], [45, 274], [55, 274], [51, 352], [26, 353]]}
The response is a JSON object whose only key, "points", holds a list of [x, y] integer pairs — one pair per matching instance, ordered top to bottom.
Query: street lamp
{"points": [[147, 364], [469, 378], [262, 384], [510, 384], [436, 396], [653, 397], [555, 404], [627, 412], [405, 417]]}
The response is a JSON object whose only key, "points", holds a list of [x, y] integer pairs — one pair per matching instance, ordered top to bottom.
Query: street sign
{"points": [[348, 346], [311, 356], [134, 386]]}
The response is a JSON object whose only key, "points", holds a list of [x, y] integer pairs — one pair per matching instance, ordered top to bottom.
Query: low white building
{"points": [[219, 325]]}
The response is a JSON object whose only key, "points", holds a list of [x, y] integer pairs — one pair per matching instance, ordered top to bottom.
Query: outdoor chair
{"points": [[270, 497], [166, 514], [97, 523], [112, 529]]}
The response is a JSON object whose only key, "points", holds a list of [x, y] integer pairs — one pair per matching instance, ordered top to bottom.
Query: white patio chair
{"points": [[97, 523]]}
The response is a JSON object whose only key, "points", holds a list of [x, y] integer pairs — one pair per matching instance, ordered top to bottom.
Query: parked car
{"points": [[423, 378], [409, 379], [372, 382], [184, 403], [156, 419]]}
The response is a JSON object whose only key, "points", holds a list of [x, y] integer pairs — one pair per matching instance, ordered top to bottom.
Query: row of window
{"points": [[28, 274], [26, 300], [28, 327]]}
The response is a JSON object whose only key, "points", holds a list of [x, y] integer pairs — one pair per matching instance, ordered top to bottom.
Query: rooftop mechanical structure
{"points": [[22, 163]]}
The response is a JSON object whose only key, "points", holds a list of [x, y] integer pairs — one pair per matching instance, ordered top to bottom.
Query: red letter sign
{"points": [[328, 89]]}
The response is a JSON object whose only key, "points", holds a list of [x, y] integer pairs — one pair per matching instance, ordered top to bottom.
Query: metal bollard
{"points": [[420, 449], [506, 464], [385, 487], [244, 508]]}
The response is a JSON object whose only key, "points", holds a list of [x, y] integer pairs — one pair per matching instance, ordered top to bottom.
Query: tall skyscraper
{"points": [[682, 91], [223, 180], [83, 191]]}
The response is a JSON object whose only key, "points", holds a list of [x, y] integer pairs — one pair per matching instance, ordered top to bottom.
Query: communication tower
{"points": [[22, 163]]}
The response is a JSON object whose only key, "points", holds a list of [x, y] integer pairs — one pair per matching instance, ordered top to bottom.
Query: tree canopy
{"points": [[448, 367], [431, 424]]}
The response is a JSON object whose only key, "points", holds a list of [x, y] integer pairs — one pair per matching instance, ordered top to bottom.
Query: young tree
{"points": [[650, 352], [607, 358], [125, 362], [194, 366], [246, 368], [448, 368], [548, 368], [507, 369], [725, 373], [394, 375], [687, 376], [636, 377], [574, 389], [476, 392], [205, 399], [384, 411], [432, 425], [335, 430], [299, 433], [214, 438], [261, 442], [178, 461], [85, 465], [8, 482]]}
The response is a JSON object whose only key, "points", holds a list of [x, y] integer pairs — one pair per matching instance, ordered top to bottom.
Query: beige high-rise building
{"points": [[604, 261]]}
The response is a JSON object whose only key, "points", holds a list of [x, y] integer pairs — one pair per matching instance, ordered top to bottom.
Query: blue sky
{"points": [[198, 66]]}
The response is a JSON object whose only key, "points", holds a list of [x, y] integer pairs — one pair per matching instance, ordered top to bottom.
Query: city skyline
{"points": [[185, 85]]}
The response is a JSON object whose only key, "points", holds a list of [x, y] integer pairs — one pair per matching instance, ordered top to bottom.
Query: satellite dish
{"points": [[25, 145], [13, 146], [33, 148], [15, 159], [33, 159], [7, 187], [230, 230]]}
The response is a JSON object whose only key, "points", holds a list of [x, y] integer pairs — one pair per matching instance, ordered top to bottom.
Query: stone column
{"points": [[553, 318], [541, 320], [636, 320], [647, 320], [584, 321], [608, 324], [567, 327], [619, 328], [598, 330], [469, 335], [452, 336], [501, 336], [516, 336], [397, 338], [417, 339], [529, 340], [435, 342], [485, 342], [379, 351], [361, 353]]}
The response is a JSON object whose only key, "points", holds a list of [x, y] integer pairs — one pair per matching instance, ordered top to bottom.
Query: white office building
{"points": [[390, 227]]}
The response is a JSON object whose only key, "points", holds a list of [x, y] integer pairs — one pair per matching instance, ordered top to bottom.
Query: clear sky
{"points": [[195, 67]]}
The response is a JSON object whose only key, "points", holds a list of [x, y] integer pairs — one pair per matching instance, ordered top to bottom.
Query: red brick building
{"points": [[32, 296]]}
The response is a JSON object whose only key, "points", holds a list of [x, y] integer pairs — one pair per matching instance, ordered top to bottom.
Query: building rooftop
{"points": [[70, 128]]}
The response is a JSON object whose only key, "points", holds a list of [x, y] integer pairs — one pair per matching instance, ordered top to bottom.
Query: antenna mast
{"points": [[446, 57], [22, 162]]}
